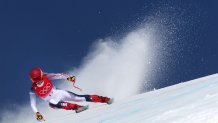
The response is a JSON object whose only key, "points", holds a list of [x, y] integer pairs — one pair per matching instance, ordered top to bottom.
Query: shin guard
{"points": [[101, 99]]}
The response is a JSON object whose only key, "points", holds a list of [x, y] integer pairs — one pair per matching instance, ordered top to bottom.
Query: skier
{"points": [[43, 87]]}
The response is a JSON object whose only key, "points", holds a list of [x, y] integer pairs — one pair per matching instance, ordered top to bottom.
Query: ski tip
{"points": [[110, 101]]}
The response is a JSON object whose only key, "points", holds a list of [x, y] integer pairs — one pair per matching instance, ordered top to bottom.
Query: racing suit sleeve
{"points": [[57, 75], [33, 101]]}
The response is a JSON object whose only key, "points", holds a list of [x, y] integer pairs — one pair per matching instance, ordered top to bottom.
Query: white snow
{"points": [[194, 101]]}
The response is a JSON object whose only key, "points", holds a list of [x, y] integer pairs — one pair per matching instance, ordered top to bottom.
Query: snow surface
{"points": [[194, 101]]}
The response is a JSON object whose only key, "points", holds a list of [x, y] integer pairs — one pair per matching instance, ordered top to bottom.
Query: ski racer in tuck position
{"points": [[43, 87]]}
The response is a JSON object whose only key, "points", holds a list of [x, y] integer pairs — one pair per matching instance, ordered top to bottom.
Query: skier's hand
{"points": [[71, 78], [39, 117]]}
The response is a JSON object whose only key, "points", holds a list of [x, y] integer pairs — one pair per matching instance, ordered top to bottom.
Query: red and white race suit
{"points": [[47, 91]]}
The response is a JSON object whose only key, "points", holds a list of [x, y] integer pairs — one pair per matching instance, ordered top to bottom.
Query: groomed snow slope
{"points": [[194, 101]]}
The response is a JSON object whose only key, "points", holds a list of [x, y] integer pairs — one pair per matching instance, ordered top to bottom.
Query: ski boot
{"points": [[101, 99], [82, 108]]}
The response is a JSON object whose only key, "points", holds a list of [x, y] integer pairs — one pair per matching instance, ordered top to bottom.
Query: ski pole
{"points": [[74, 81], [76, 87]]}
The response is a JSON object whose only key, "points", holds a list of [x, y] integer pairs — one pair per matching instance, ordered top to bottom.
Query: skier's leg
{"points": [[70, 96], [77, 97], [94, 98], [101, 99], [59, 100], [65, 105], [69, 106]]}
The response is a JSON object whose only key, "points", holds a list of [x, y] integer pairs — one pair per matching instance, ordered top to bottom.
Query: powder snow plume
{"points": [[118, 68]]}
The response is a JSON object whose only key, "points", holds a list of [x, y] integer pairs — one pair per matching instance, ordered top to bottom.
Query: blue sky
{"points": [[57, 35]]}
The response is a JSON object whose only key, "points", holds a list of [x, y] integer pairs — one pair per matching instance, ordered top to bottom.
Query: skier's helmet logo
{"points": [[36, 74]]}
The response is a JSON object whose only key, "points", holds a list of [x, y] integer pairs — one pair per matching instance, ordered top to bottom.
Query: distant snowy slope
{"points": [[194, 101]]}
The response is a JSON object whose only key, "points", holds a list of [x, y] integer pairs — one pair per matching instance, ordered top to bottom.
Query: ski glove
{"points": [[71, 78], [39, 117]]}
